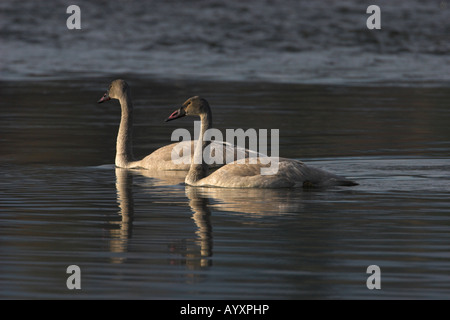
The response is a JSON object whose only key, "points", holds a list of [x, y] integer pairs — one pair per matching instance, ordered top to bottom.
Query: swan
{"points": [[160, 159], [291, 173]]}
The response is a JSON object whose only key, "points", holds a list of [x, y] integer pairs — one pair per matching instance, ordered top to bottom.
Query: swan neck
{"points": [[206, 119], [124, 153], [199, 168]]}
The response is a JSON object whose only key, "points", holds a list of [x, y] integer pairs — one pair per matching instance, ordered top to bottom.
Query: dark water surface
{"points": [[137, 235]]}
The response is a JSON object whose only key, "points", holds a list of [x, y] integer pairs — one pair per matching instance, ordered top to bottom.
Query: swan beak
{"points": [[104, 98], [180, 113]]}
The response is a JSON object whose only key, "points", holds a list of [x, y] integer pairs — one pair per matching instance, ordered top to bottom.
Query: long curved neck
{"points": [[124, 152], [199, 169]]}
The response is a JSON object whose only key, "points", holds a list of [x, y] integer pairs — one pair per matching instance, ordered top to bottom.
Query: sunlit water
{"points": [[254, 40], [137, 235]]}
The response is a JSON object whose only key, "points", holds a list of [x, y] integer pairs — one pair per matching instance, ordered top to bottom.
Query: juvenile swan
{"points": [[160, 159], [291, 173]]}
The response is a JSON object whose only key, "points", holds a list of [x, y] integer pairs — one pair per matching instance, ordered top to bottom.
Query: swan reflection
{"points": [[254, 202], [202, 218], [120, 231], [197, 251]]}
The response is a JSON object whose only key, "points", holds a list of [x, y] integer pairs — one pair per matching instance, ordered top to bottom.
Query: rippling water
{"points": [[293, 41], [137, 235]]}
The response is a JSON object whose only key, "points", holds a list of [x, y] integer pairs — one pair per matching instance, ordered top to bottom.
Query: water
{"points": [[296, 41], [369, 106], [135, 235]]}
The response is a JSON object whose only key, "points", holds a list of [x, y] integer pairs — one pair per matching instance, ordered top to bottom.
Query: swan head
{"points": [[117, 89], [194, 106]]}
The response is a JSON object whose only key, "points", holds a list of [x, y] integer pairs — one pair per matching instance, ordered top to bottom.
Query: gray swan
{"points": [[160, 159], [291, 173]]}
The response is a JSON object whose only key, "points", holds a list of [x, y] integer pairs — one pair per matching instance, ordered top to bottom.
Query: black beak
{"points": [[104, 98], [180, 113]]}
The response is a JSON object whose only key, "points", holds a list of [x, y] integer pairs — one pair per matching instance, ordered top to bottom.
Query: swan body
{"points": [[160, 159], [291, 173]]}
